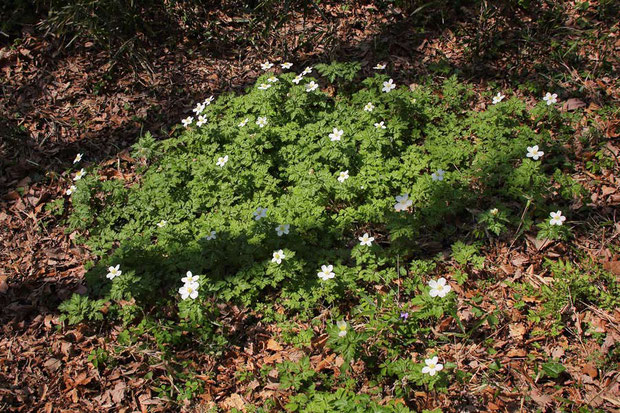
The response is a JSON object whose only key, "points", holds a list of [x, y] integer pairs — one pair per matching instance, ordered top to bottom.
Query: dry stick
{"points": [[527, 206], [613, 235], [398, 285], [572, 304], [601, 313], [601, 392]]}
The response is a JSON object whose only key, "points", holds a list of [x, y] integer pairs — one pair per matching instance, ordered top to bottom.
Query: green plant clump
{"points": [[282, 182]]}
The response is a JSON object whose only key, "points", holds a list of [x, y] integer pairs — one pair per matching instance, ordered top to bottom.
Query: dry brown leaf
{"points": [[572, 104], [607, 190], [537, 244], [612, 266], [4, 286], [517, 331], [611, 339], [319, 342], [273, 345], [516, 352], [557, 352], [295, 355], [276, 358], [325, 362], [52, 364], [590, 370], [253, 384], [118, 392], [543, 400], [234, 401]]}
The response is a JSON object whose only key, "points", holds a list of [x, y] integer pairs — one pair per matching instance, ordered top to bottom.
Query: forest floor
{"points": [[56, 102]]}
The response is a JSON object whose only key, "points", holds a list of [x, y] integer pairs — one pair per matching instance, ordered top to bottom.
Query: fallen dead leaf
{"points": [[572, 104], [538, 244], [612, 266], [4, 286], [517, 331], [611, 339], [319, 342], [273, 345], [515, 352], [557, 352], [325, 362], [52, 364], [590, 370], [118, 393], [543, 400], [234, 401]]}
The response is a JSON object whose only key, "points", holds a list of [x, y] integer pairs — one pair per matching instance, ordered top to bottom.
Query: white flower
{"points": [[286, 65], [266, 66], [379, 66], [307, 71], [272, 79], [297, 79], [389, 85], [264, 86], [312, 86], [498, 98], [550, 98], [208, 101], [369, 107], [199, 108], [202, 119], [187, 121], [261, 121], [243, 122], [380, 125], [336, 134], [534, 153], [78, 158], [221, 161], [79, 174], [343, 176], [438, 176], [71, 190], [403, 202], [494, 211], [259, 213], [557, 218], [162, 223], [282, 229], [212, 235], [366, 240], [278, 256], [114, 272], [326, 272], [190, 279], [439, 288], [189, 291], [342, 328], [432, 366]]}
